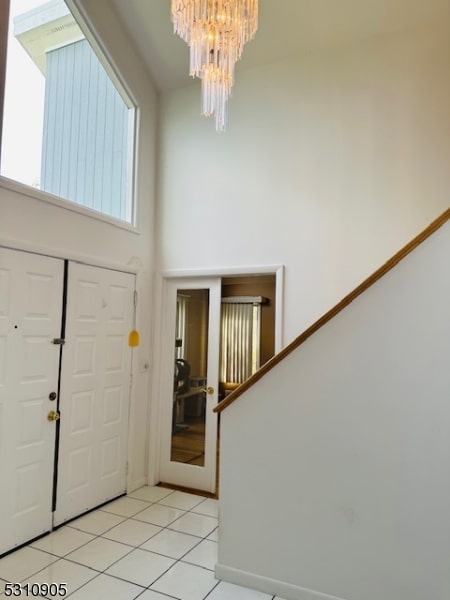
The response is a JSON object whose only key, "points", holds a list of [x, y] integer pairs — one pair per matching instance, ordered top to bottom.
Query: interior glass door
{"points": [[189, 441]]}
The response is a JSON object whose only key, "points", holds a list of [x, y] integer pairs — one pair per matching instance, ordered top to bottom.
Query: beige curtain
{"points": [[240, 340]]}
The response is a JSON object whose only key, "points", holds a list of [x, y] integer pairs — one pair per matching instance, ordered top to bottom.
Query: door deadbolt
{"points": [[52, 396], [53, 416]]}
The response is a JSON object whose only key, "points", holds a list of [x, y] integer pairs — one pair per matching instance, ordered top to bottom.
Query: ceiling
{"points": [[286, 27]]}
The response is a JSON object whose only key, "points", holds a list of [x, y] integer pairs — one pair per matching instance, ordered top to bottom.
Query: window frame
{"points": [[4, 22], [110, 66]]}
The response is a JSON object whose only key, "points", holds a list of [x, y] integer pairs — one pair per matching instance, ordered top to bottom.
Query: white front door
{"points": [[31, 296], [189, 382], [95, 389]]}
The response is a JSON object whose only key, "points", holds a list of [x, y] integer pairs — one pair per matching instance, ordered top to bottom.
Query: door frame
{"points": [[159, 381], [193, 476]]}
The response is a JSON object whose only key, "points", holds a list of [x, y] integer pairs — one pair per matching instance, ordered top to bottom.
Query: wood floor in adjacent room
{"points": [[188, 445]]}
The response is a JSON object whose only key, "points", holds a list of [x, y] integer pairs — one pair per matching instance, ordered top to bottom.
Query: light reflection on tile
{"points": [[151, 494], [182, 500], [125, 507], [208, 507], [159, 515], [96, 522], [199, 525], [132, 532], [154, 538], [62, 541], [171, 543], [99, 554], [203, 555], [24, 563], [141, 567], [65, 572], [186, 582], [108, 588], [230, 591]]}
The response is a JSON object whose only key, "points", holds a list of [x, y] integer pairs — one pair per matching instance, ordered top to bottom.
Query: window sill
{"points": [[36, 194]]}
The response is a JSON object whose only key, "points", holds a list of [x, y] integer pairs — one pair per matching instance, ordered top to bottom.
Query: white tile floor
{"points": [[154, 544]]}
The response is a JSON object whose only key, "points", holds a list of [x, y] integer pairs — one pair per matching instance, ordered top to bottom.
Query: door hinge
{"points": [[59, 341]]}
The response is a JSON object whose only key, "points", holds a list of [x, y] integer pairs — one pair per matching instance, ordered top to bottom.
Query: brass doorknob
{"points": [[209, 390], [53, 415]]}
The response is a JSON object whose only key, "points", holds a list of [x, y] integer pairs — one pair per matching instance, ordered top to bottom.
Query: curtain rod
{"points": [[245, 300]]}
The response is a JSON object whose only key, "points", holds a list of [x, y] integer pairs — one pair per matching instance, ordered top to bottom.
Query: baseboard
{"points": [[269, 586]]}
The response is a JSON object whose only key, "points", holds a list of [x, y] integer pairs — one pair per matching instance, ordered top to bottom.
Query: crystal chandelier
{"points": [[215, 31]]}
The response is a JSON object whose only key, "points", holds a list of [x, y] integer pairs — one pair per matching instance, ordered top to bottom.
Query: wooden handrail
{"points": [[390, 264]]}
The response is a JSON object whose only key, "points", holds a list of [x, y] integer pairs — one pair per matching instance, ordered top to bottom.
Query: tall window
{"points": [[67, 127], [239, 338]]}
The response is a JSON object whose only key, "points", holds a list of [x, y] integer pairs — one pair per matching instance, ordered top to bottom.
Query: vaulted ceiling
{"points": [[286, 27]]}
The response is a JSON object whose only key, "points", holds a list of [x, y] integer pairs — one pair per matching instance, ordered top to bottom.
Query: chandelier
{"points": [[215, 31]]}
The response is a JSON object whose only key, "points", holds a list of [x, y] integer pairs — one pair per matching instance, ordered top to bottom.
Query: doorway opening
{"points": [[247, 335], [219, 339]]}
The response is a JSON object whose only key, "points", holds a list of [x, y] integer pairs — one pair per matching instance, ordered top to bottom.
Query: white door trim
{"points": [[133, 267], [277, 270], [157, 397], [204, 477]]}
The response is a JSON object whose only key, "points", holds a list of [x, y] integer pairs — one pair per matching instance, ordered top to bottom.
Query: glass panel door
{"points": [[190, 376], [189, 441]]}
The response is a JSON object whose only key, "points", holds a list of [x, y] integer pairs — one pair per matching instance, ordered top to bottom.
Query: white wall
{"points": [[332, 161], [33, 224], [334, 466]]}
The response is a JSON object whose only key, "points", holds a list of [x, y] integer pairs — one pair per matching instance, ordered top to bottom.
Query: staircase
{"points": [[340, 446]]}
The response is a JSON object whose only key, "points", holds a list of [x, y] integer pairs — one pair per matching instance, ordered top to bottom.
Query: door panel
{"points": [[31, 292], [95, 389], [189, 427]]}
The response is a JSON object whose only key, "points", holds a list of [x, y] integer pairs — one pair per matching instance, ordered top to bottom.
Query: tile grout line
{"points": [[166, 527], [96, 536], [132, 547], [179, 560], [211, 591]]}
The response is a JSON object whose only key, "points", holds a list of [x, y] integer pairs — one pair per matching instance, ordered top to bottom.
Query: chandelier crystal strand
{"points": [[216, 31], [216, 89]]}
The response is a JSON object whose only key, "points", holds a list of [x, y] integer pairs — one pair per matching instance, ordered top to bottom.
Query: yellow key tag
{"points": [[133, 338]]}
